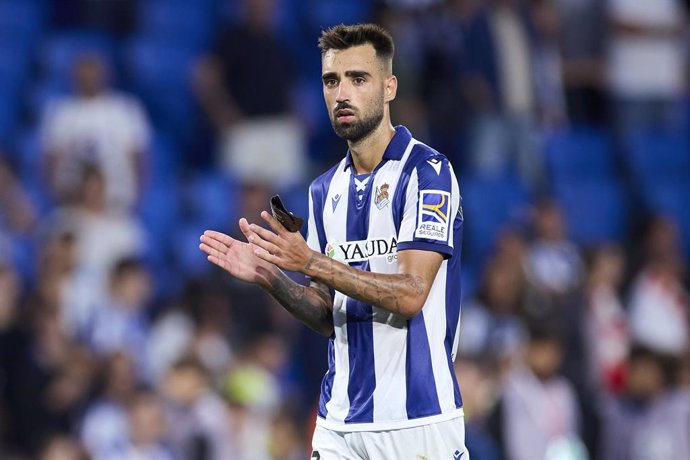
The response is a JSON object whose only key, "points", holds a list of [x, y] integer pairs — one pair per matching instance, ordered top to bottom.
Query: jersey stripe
{"points": [[453, 293], [360, 330], [327, 382], [422, 399]]}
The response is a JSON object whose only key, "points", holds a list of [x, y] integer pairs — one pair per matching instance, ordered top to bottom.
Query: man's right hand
{"points": [[237, 257]]}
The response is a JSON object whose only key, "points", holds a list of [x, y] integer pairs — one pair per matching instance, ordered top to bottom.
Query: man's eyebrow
{"points": [[357, 73]]}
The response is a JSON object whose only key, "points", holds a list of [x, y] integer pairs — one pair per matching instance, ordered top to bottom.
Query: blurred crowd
{"points": [[127, 128]]}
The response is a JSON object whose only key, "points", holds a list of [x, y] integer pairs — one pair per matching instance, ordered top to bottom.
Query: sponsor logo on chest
{"points": [[359, 251]]}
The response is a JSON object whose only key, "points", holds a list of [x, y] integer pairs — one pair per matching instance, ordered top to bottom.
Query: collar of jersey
{"points": [[394, 151]]}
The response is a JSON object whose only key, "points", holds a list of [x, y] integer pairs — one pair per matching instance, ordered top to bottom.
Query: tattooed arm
{"points": [[403, 293], [310, 304]]}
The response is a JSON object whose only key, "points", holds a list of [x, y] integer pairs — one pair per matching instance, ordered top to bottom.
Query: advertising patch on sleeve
{"points": [[434, 215]]}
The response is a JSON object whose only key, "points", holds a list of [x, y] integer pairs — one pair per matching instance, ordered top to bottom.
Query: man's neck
{"points": [[368, 152]]}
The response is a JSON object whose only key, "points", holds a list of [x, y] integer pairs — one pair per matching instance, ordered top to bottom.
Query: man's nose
{"points": [[343, 93]]}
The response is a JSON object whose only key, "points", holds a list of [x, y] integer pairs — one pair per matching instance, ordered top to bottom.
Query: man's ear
{"points": [[391, 88]]}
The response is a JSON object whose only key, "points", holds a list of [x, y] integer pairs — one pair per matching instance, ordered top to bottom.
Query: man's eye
{"points": [[359, 81], [330, 83]]}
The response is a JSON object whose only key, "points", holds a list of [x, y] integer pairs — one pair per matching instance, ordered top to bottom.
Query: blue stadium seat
{"points": [[327, 13], [21, 20], [186, 23], [59, 52], [14, 70], [160, 73], [578, 153], [657, 157], [210, 200], [489, 205], [595, 211], [188, 258]]}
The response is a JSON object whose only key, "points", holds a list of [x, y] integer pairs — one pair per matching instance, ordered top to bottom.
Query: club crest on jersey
{"points": [[381, 199], [434, 215], [359, 251]]}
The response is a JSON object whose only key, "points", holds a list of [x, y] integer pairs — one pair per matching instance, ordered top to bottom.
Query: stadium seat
{"points": [[327, 13], [21, 21], [186, 23], [160, 74], [578, 153], [654, 157], [210, 199], [489, 205], [595, 211]]}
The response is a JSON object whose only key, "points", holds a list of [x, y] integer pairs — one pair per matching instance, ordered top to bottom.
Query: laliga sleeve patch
{"points": [[434, 214]]}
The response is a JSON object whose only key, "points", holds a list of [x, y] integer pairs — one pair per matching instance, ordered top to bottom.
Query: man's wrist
{"points": [[310, 268]]}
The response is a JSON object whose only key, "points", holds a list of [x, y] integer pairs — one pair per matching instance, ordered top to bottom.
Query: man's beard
{"points": [[358, 130]]}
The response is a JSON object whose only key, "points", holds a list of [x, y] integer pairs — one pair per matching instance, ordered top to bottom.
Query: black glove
{"points": [[290, 221]]}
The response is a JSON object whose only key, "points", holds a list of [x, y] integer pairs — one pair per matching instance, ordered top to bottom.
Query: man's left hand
{"points": [[285, 249]]}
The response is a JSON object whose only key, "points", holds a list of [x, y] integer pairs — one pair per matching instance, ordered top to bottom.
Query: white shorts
{"points": [[437, 441]]}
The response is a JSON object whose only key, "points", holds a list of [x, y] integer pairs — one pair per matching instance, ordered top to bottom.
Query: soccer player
{"points": [[383, 258]]}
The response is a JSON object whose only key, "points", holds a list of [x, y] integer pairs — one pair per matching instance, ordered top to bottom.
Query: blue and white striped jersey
{"points": [[384, 371]]}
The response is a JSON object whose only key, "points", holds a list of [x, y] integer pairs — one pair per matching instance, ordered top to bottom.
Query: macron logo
{"points": [[436, 164], [334, 201]]}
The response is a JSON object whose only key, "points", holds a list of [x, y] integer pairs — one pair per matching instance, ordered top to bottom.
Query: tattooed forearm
{"points": [[403, 294], [312, 305]]}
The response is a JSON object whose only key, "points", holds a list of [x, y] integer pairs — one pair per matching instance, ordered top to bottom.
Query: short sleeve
{"points": [[431, 205], [312, 233]]}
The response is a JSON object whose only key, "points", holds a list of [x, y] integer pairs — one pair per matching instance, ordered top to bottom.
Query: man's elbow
{"points": [[412, 307], [325, 330]]}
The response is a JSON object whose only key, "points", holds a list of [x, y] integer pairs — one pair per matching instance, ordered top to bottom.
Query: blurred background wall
{"points": [[127, 128]]}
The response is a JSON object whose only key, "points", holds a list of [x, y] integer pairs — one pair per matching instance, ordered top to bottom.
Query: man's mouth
{"points": [[345, 115]]}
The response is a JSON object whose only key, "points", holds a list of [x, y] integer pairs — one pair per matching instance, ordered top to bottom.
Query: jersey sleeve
{"points": [[432, 202], [313, 240]]}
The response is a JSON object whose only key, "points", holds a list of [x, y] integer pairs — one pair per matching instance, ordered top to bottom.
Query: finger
{"points": [[273, 222], [245, 228], [264, 233], [220, 237], [215, 244], [267, 245], [211, 251], [264, 255], [219, 262]]}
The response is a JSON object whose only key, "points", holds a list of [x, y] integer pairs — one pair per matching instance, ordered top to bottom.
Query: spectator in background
{"points": [[445, 30], [582, 43], [646, 63], [501, 86], [249, 100], [100, 127], [17, 212], [90, 223], [553, 265], [660, 305], [120, 323], [492, 325], [606, 328], [254, 392], [479, 392], [539, 410], [200, 419], [647, 421], [104, 424], [148, 436], [63, 448]]}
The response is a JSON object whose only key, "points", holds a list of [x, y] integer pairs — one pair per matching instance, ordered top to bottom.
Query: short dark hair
{"points": [[342, 37]]}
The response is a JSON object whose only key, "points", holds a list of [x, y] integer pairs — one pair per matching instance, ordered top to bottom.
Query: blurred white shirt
{"points": [[645, 65], [106, 130]]}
